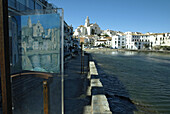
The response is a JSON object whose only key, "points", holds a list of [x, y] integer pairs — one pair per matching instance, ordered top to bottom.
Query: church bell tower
{"points": [[29, 22], [87, 22]]}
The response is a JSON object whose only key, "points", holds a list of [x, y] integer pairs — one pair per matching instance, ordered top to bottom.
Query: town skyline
{"points": [[136, 16]]}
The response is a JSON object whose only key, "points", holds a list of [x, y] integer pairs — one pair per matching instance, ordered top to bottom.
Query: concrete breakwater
{"points": [[110, 50], [111, 87], [99, 103]]}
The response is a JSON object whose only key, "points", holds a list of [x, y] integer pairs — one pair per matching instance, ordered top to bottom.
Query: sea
{"points": [[135, 82]]}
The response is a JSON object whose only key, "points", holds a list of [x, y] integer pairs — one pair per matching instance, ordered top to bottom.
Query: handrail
{"points": [[37, 74]]}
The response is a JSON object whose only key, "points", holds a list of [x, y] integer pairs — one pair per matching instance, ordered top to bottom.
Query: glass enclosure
{"points": [[35, 60]]}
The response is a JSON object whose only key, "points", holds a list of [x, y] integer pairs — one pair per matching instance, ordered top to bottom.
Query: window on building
{"points": [[123, 43]]}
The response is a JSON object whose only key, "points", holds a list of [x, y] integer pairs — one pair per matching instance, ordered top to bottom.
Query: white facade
{"points": [[110, 32], [160, 39], [166, 40], [102, 41], [137, 41], [142, 41], [118, 42], [108, 43], [129, 43]]}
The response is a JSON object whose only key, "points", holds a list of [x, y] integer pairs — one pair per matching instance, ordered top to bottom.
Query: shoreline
{"points": [[109, 50], [111, 81], [112, 96]]}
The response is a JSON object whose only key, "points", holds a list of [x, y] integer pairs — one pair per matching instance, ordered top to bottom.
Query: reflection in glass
{"points": [[40, 42]]}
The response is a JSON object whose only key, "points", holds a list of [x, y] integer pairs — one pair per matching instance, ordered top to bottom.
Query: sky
{"points": [[119, 15]]}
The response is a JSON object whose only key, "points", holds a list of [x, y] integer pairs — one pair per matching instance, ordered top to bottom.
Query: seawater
{"points": [[135, 82]]}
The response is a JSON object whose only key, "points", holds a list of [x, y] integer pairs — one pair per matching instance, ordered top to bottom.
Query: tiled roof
{"points": [[81, 26], [108, 38], [102, 40]]}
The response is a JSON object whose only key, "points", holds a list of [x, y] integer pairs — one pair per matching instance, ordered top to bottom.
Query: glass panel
{"points": [[12, 3], [31, 4], [38, 6], [40, 42], [35, 53]]}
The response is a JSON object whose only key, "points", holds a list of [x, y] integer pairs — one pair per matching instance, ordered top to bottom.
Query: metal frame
{"points": [[5, 59], [62, 64]]}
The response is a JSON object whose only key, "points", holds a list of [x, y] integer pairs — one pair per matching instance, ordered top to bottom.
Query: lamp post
{"points": [[82, 58]]}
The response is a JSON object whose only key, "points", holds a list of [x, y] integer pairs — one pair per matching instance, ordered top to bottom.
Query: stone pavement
{"points": [[76, 99]]}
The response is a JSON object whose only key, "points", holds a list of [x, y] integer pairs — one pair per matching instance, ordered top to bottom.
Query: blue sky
{"points": [[120, 15]]}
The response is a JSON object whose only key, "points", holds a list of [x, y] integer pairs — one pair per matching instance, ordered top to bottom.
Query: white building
{"points": [[87, 29], [110, 32], [160, 39], [137, 40], [166, 40], [103, 41], [118, 41], [100, 42]]}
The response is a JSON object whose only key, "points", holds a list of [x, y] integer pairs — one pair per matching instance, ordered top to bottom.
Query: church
{"points": [[87, 29], [35, 37]]}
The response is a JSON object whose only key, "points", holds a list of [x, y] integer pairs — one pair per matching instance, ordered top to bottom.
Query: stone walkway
{"points": [[76, 100]]}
